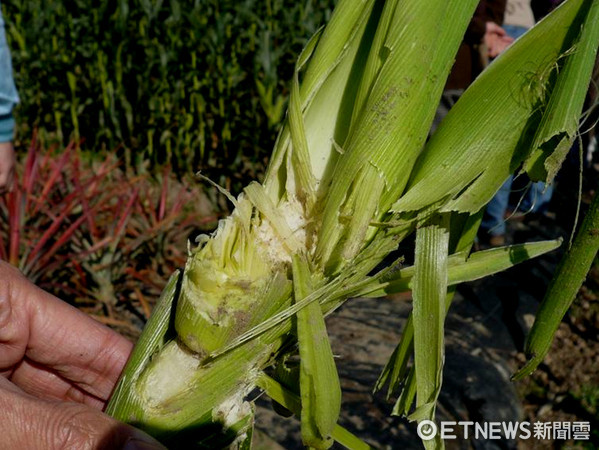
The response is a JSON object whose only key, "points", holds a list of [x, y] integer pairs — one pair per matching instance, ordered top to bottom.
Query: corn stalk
{"points": [[351, 175]]}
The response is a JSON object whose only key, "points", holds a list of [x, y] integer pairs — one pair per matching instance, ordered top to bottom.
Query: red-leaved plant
{"points": [[87, 231]]}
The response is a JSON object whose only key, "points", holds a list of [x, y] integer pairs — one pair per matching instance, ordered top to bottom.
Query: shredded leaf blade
{"points": [[319, 382]]}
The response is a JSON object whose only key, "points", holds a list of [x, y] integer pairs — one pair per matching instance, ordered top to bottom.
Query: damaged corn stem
{"points": [[351, 175]]}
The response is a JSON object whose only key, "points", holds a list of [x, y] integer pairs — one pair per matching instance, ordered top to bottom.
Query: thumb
{"points": [[4, 181], [27, 422]]}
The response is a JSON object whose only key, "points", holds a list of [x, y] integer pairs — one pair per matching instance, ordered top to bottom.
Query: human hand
{"points": [[495, 39], [7, 166], [57, 370]]}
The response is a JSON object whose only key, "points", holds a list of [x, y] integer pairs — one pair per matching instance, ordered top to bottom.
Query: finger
{"points": [[493, 27], [493, 51], [4, 176], [3, 181], [14, 322], [58, 336], [77, 347], [43, 383], [26, 422]]}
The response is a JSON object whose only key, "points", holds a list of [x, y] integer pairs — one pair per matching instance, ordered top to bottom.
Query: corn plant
{"points": [[162, 81], [351, 175]]}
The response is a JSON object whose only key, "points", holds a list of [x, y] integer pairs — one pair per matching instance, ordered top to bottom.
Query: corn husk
{"points": [[351, 175]]}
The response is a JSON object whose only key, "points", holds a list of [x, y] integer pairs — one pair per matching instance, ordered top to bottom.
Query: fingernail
{"points": [[142, 441]]}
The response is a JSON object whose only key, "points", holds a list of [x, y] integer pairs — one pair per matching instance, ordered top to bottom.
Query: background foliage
{"points": [[201, 84], [86, 231]]}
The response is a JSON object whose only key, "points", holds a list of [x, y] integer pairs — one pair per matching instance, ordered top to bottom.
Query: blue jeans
{"points": [[514, 31], [8, 92], [534, 199]]}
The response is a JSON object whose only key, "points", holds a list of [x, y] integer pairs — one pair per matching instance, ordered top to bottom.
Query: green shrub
{"points": [[200, 84]]}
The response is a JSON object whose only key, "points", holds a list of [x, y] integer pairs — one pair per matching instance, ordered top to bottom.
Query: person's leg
{"points": [[493, 221]]}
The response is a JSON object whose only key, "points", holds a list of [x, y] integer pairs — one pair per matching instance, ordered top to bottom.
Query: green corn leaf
{"points": [[322, 91], [558, 128], [489, 132], [378, 152], [300, 172], [464, 228], [462, 233], [498, 259], [490, 261], [478, 265], [569, 276], [430, 289], [153, 337], [400, 366], [396, 369], [319, 382], [406, 397], [291, 401]]}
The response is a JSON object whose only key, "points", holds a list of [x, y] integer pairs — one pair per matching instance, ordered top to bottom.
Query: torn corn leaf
{"points": [[321, 93], [559, 126], [489, 132], [379, 154], [300, 168], [286, 220], [478, 265], [430, 289], [148, 344], [396, 369], [319, 382], [406, 397], [291, 401]]}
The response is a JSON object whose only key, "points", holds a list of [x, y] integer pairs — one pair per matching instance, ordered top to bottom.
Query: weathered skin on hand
{"points": [[58, 367]]}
